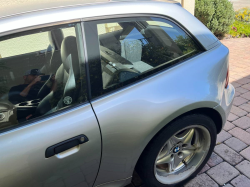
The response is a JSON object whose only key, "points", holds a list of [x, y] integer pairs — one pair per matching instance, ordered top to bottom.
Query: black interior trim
{"points": [[87, 72]]}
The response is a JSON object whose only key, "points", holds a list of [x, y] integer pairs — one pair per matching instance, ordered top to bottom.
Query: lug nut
{"points": [[180, 155]]}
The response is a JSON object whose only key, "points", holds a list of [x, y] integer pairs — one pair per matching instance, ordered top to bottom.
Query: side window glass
{"points": [[108, 27], [37, 42], [137, 47], [34, 84]]}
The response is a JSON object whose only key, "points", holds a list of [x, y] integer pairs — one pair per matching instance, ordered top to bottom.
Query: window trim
{"points": [[118, 16], [39, 26], [86, 62], [152, 73], [86, 103]]}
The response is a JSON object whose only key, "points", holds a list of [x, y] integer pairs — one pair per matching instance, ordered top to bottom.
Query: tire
{"points": [[193, 134]]}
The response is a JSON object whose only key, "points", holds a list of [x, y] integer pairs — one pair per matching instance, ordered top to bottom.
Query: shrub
{"points": [[217, 15], [243, 15], [240, 29]]}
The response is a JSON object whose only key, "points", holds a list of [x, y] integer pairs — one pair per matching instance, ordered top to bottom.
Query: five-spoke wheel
{"points": [[188, 147], [178, 152]]}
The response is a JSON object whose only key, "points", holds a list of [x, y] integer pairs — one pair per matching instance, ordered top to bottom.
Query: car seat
{"points": [[52, 54], [52, 58], [66, 79]]}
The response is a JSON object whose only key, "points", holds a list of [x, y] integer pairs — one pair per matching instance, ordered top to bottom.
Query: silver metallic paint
{"points": [[18, 8], [131, 117], [128, 118], [22, 155], [118, 183]]}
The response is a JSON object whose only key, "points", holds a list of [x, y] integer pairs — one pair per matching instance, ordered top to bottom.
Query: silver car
{"points": [[92, 91]]}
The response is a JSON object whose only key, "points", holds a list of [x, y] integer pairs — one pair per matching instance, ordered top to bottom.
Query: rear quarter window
{"points": [[135, 48]]}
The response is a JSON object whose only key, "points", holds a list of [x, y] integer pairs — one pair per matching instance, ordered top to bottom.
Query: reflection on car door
{"points": [[20, 50], [57, 141], [22, 155]]}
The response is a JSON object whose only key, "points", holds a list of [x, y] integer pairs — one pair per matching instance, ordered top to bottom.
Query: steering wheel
{"points": [[8, 114]]}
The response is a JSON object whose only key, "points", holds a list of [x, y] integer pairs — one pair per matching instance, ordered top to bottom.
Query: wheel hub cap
{"points": [[176, 149]]}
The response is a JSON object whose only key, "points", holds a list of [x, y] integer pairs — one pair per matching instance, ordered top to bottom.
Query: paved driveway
{"points": [[238, 4], [229, 164]]}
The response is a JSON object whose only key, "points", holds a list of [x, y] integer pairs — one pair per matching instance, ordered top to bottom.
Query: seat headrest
{"points": [[56, 38], [48, 53], [69, 53]]}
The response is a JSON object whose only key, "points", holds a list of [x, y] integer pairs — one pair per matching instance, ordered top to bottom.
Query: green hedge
{"points": [[217, 15]]}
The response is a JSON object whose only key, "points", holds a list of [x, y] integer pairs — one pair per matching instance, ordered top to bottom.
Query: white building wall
{"points": [[188, 5]]}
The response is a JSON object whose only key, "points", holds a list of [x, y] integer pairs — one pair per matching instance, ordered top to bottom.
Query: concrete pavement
{"points": [[238, 4]]}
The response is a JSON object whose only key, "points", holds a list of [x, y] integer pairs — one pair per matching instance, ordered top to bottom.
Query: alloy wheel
{"points": [[182, 154]]}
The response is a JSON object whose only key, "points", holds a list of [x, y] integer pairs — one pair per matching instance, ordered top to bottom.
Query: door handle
{"points": [[65, 145]]}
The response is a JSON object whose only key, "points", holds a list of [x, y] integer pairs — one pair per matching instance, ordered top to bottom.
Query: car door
{"points": [[132, 84], [51, 139]]}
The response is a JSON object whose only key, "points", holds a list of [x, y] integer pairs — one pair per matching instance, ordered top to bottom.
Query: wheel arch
{"points": [[210, 112]]}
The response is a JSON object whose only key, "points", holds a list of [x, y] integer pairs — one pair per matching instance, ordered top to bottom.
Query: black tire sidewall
{"points": [[146, 163]]}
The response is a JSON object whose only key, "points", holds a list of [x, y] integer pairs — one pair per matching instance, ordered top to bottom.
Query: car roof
{"points": [[11, 8], [44, 13]]}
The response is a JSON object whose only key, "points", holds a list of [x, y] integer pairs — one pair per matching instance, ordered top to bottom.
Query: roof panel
{"points": [[13, 7], [8, 8]]}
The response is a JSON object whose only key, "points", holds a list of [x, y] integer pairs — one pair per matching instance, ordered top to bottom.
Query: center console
{"points": [[26, 108]]}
